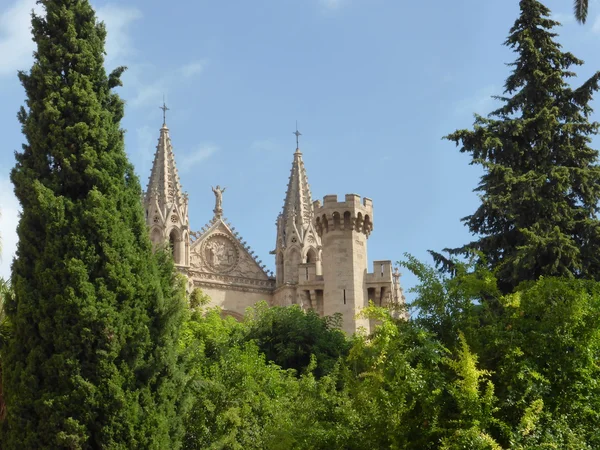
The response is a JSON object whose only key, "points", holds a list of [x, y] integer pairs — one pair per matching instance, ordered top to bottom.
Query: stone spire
{"points": [[164, 178], [165, 203], [297, 211], [297, 240]]}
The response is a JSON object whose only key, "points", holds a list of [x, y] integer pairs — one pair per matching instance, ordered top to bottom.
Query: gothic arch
{"points": [[347, 220], [336, 221], [359, 222], [325, 224], [368, 225], [156, 236], [175, 245], [186, 246], [311, 255], [293, 258], [280, 273]]}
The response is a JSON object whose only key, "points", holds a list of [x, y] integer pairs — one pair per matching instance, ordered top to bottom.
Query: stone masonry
{"points": [[320, 252]]}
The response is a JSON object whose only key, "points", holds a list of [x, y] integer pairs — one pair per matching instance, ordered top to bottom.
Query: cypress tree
{"points": [[541, 184], [91, 361]]}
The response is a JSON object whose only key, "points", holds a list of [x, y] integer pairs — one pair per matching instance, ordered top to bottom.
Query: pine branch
{"points": [[581, 10]]}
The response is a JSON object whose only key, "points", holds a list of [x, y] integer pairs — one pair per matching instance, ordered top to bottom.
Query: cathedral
{"points": [[320, 251]]}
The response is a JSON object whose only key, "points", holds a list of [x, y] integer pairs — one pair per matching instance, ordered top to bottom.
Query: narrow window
{"points": [[306, 273], [344, 296]]}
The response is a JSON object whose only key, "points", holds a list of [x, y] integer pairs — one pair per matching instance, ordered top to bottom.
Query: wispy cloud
{"points": [[332, 5], [563, 18], [118, 20], [596, 25], [16, 46], [193, 68], [148, 83], [149, 92], [146, 93], [480, 103], [264, 145], [143, 150], [189, 160], [9, 218]]}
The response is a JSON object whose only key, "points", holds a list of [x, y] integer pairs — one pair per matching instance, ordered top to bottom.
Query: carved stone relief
{"points": [[220, 254]]}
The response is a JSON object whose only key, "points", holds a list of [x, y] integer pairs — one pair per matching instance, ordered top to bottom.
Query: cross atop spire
{"points": [[164, 110], [298, 134]]}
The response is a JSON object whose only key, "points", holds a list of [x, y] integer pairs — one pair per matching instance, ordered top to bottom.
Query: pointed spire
{"points": [[164, 178], [297, 208]]}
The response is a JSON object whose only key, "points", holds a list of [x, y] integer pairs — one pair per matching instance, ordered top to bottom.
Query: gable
{"points": [[218, 251]]}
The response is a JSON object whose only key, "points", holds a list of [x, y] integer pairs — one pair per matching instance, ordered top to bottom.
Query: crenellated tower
{"points": [[166, 206], [344, 228], [297, 242], [320, 252]]}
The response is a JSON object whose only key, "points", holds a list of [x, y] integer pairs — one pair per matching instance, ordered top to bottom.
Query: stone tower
{"points": [[166, 206], [344, 228], [297, 241], [320, 252]]}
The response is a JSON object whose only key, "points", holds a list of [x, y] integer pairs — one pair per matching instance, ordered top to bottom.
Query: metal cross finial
{"points": [[164, 110], [298, 134]]}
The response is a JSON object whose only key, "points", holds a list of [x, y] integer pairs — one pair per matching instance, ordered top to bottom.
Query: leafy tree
{"points": [[541, 187], [198, 299], [288, 336], [539, 346], [92, 360], [460, 375], [237, 395], [239, 399], [243, 401], [474, 409]]}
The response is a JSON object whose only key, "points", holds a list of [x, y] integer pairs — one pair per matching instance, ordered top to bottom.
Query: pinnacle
{"points": [[164, 177], [297, 209]]}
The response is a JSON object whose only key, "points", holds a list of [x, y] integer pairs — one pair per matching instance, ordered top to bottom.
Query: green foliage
{"points": [[541, 187], [5, 292], [198, 299], [4, 335], [289, 336], [539, 345], [98, 350], [92, 358], [475, 369], [397, 385], [237, 395], [244, 401], [238, 402], [475, 410]]}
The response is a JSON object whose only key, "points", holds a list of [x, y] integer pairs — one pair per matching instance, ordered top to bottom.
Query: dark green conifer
{"points": [[541, 186], [91, 361]]}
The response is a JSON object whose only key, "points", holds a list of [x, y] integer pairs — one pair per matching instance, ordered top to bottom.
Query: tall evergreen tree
{"points": [[541, 186], [91, 362]]}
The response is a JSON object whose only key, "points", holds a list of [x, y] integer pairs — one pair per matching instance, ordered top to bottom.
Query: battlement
{"points": [[350, 201], [350, 215], [382, 273]]}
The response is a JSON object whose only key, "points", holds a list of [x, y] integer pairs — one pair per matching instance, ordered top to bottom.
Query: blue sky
{"points": [[373, 84]]}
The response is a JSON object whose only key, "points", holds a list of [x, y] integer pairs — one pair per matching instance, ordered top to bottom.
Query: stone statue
{"points": [[218, 197]]}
